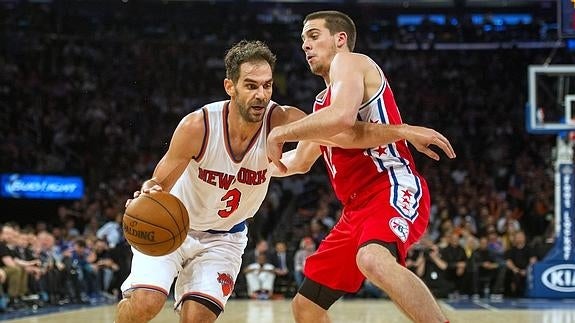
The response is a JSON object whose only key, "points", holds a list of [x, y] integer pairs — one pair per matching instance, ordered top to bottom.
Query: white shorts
{"points": [[208, 265]]}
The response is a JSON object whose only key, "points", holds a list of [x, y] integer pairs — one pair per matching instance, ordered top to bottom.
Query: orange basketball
{"points": [[156, 223]]}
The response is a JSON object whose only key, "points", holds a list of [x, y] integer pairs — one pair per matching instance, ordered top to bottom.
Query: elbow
{"points": [[345, 122]]}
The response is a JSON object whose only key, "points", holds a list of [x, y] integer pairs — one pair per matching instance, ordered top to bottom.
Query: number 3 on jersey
{"points": [[327, 157], [232, 199]]}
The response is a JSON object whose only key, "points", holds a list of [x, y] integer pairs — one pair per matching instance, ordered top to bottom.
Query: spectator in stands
{"points": [[317, 230], [112, 231], [306, 249], [251, 256], [454, 256], [518, 258], [281, 259], [104, 267], [14, 268], [432, 268], [485, 270], [81, 276], [260, 277], [53, 278], [2, 295]]}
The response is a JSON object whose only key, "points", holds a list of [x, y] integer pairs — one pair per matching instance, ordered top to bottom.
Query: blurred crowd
{"points": [[98, 93]]}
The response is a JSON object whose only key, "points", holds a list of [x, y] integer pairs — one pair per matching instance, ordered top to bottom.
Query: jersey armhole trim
{"points": [[381, 88], [269, 119], [206, 135]]}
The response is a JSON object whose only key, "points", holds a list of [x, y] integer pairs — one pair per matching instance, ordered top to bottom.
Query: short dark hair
{"points": [[335, 22], [247, 51]]}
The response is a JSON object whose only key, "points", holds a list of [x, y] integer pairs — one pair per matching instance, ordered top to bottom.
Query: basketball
{"points": [[156, 223]]}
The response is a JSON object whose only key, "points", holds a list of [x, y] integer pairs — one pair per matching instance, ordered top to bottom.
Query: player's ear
{"points": [[341, 39], [229, 87]]}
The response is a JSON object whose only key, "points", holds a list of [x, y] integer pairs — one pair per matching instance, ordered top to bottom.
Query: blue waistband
{"points": [[236, 228]]}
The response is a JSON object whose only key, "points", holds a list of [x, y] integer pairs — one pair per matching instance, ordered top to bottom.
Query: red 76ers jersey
{"points": [[353, 170]]}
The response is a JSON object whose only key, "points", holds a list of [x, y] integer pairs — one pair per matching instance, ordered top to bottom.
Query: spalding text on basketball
{"points": [[244, 176], [146, 235]]}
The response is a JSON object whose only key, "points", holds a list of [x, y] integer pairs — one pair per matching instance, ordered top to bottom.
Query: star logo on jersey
{"points": [[381, 150], [406, 200], [400, 228], [227, 283]]}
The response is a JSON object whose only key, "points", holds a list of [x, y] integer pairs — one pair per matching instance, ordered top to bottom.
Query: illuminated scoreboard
{"points": [[567, 18]]}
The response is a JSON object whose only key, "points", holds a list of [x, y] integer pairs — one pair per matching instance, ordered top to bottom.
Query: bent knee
{"points": [[374, 257], [143, 304], [299, 304]]}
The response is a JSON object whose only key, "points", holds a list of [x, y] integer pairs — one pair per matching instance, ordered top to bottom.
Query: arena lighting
{"points": [[35, 186]]}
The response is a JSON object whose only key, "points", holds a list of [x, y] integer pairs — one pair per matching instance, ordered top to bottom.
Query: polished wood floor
{"points": [[357, 311]]}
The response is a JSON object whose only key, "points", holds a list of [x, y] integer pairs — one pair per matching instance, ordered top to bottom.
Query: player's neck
{"points": [[239, 129]]}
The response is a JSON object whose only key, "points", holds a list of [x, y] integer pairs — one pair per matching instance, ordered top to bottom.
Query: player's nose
{"points": [[260, 92]]}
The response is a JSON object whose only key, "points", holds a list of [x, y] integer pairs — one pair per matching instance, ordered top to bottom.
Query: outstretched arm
{"points": [[361, 135], [368, 135]]}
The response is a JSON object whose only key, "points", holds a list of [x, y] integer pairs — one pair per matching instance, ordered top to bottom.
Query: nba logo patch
{"points": [[400, 227]]}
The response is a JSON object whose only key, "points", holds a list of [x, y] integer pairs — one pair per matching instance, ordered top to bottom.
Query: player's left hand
{"points": [[421, 138], [275, 149]]}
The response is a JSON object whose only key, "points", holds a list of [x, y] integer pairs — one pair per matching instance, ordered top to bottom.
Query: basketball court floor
{"points": [[344, 311]]}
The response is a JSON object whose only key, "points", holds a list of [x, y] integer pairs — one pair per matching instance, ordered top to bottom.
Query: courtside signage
{"points": [[31, 186], [560, 278]]}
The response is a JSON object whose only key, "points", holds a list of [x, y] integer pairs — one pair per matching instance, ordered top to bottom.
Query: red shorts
{"points": [[368, 216]]}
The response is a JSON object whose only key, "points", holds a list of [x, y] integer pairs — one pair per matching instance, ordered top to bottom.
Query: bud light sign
{"points": [[27, 186]]}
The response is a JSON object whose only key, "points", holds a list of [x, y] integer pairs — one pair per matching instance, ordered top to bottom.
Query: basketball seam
{"points": [[168, 211]]}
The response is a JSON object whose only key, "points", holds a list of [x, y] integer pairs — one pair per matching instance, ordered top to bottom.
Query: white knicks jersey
{"points": [[217, 190]]}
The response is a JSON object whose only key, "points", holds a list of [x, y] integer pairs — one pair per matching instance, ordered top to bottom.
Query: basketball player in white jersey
{"points": [[217, 165], [385, 200]]}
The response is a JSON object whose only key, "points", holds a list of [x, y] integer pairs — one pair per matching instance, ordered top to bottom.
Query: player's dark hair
{"points": [[335, 22], [247, 51]]}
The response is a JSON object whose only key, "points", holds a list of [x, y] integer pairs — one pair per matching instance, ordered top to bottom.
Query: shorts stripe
{"points": [[149, 287], [207, 297]]}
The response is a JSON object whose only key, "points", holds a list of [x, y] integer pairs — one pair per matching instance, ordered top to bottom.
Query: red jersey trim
{"points": [[225, 112], [269, 118], [206, 136]]}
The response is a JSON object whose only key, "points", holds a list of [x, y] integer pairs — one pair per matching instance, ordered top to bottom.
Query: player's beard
{"points": [[250, 117]]}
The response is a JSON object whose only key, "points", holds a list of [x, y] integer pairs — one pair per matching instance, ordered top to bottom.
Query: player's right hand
{"points": [[147, 190]]}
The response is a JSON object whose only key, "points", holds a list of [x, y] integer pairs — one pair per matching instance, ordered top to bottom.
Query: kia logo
{"points": [[560, 278]]}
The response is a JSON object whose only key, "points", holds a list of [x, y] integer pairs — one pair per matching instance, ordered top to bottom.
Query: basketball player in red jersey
{"points": [[217, 165], [386, 202]]}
